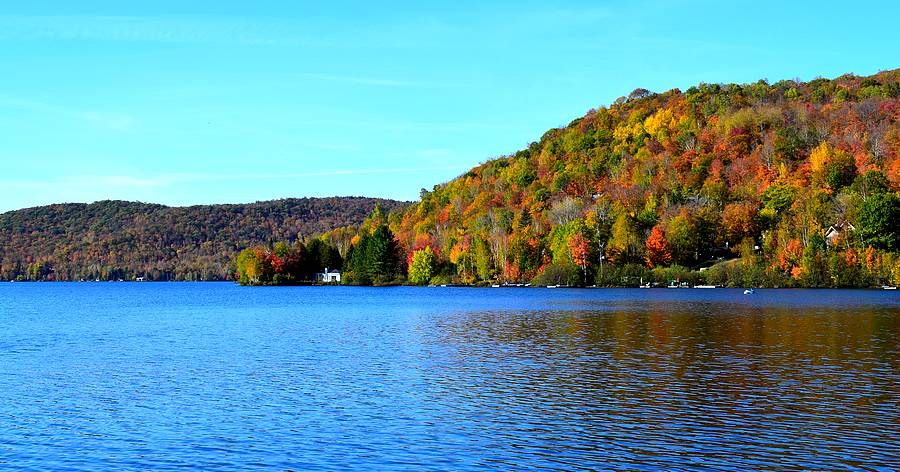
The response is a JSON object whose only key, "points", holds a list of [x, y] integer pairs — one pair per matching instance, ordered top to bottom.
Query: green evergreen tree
{"points": [[382, 256]]}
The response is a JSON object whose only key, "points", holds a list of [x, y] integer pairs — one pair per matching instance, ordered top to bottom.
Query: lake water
{"points": [[216, 376]]}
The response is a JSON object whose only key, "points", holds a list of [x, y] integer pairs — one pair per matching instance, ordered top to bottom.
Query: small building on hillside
{"points": [[836, 231], [329, 276]]}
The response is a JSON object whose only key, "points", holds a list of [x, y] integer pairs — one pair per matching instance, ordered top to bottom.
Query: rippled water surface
{"points": [[215, 376]]}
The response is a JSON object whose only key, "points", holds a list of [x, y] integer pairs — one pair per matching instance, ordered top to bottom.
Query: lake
{"points": [[136, 376]]}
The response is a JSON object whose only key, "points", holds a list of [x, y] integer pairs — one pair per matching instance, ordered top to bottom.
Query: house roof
{"points": [[838, 227]]}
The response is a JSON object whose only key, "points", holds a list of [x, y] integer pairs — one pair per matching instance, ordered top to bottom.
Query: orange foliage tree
{"points": [[580, 250], [658, 252]]}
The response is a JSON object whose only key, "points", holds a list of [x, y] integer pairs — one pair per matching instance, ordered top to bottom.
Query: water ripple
{"points": [[213, 376]]}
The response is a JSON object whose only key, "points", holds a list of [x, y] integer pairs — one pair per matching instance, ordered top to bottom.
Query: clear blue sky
{"points": [[235, 101]]}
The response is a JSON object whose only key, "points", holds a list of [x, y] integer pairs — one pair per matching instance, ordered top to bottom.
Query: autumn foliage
{"points": [[743, 179], [763, 184], [113, 240], [658, 253]]}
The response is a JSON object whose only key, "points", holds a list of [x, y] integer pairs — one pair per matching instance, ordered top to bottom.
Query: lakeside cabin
{"points": [[835, 231], [329, 276]]}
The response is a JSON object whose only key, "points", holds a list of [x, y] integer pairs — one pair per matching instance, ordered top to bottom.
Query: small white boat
{"points": [[495, 286], [553, 286], [704, 286], [888, 287], [749, 291]]}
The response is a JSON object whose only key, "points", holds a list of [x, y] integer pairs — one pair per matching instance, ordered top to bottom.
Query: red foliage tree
{"points": [[579, 248], [658, 252]]}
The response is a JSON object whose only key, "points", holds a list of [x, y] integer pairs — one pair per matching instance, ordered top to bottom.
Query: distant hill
{"points": [[113, 240]]}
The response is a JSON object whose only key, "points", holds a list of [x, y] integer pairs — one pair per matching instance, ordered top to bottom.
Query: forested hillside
{"points": [[744, 180], [784, 184], [113, 240]]}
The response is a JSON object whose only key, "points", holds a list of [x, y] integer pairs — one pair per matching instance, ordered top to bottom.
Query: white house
{"points": [[836, 230], [329, 276]]}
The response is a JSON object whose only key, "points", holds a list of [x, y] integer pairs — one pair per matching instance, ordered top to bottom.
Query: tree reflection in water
{"points": [[664, 382]]}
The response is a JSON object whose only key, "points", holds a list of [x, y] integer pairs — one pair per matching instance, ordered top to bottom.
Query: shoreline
{"points": [[886, 288]]}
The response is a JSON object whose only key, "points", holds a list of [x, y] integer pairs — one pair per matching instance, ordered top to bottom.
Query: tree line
{"points": [[115, 240]]}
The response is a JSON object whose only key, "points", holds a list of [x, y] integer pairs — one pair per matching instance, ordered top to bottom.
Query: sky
{"points": [[218, 101]]}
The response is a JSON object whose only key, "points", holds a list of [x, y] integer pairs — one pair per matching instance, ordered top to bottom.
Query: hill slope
{"points": [[718, 171], [115, 239]]}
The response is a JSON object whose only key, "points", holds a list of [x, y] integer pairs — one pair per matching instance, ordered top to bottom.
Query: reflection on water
{"points": [[219, 377], [677, 384]]}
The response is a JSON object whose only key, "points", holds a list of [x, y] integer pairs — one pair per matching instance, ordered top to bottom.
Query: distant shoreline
{"points": [[482, 286]]}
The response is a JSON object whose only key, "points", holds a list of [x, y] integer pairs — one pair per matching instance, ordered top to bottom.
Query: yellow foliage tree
{"points": [[820, 157]]}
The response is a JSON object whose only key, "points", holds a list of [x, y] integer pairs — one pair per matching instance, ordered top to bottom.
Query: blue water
{"points": [[136, 376]]}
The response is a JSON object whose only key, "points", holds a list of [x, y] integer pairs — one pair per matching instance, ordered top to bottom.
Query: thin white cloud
{"points": [[553, 17], [492, 28], [146, 29], [360, 80], [112, 121], [399, 125], [434, 153], [340, 172], [314, 173], [168, 180], [128, 181], [78, 184], [171, 188]]}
